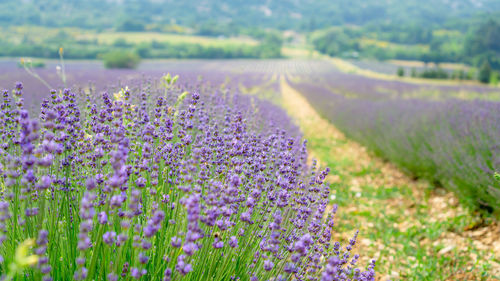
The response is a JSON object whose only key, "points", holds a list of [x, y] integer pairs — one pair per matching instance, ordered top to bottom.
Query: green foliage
{"points": [[219, 17], [131, 25], [213, 28], [417, 30], [404, 34], [335, 42], [410, 42], [121, 43], [484, 44], [271, 46], [78, 48], [190, 50], [121, 59], [401, 72], [413, 72], [435, 73], [485, 73], [461, 75], [495, 76], [168, 81]]}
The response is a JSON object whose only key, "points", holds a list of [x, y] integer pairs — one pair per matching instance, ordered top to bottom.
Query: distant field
{"points": [[36, 34], [140, 37], [367, 42], [302, 53], [421, 64], [391, 66], [388, 70], [81, 72]]}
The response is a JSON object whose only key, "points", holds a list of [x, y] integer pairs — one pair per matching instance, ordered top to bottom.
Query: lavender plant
{"points": [[162, 183]]}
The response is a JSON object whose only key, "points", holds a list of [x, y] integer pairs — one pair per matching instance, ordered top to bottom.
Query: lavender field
{"points": [[447, 134], [229, 140], [137, 175], [161, 180]]}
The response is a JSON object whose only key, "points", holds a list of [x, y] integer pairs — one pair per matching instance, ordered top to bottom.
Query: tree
{"points": [[131, 25], [334, 42], [484, 44], [271, 46], [121, 59], [401, 71], [413, 72], [485, 72]]}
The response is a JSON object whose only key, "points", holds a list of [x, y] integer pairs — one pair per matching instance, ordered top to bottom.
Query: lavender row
{"points": [[87, 75], [452, 142], [162, 182]]}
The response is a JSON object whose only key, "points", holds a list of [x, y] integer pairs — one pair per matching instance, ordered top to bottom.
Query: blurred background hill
{"points": [[304, 15], [466, 32]]}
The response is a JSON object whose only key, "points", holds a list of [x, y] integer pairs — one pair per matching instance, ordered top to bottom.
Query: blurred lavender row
{"points": [[91, 74], [453, 142]]}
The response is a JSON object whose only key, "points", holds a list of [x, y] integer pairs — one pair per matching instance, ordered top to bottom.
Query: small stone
{"points": [[446, 250]]}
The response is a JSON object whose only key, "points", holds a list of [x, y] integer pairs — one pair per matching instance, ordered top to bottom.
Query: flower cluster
{"points": [[155, 184]]}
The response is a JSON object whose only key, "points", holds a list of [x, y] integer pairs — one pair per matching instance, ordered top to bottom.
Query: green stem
{"points": [[95, 252]]}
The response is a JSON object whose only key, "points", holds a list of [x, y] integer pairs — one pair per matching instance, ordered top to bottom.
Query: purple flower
{"points": [[45, 182], [140, 182], [90, 183], [102, 217], [158, 217], [109, 237], [121, 238], [176, 242], [233, 242], [218, 244], [146, 245], [189, 248], [143, 258], [268, 265], [182, 267], [290, 268], [46, 269], [135, 272], [112, 277]]}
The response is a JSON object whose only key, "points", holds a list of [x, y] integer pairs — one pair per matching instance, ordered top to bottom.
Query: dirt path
{"points": [[415, 231]]}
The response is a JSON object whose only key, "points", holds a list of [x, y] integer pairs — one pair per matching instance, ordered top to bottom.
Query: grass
{"points": [[415, 231]]}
